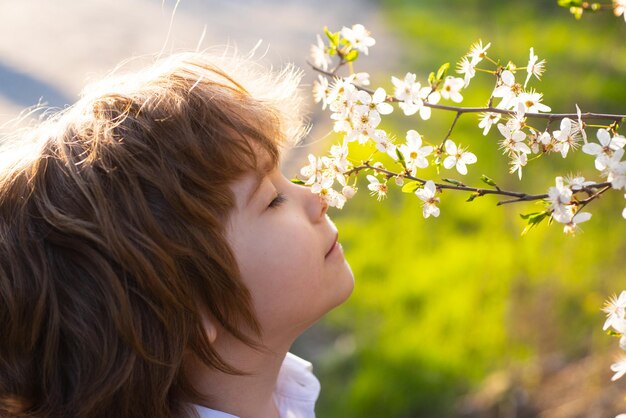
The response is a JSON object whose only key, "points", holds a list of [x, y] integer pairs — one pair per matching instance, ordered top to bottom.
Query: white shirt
{"points": [[296, 391]]}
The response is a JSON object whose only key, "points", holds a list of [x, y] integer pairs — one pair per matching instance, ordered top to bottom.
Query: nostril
{"points": [[324, 206]]}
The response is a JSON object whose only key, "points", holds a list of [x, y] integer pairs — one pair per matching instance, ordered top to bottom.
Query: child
{"points": [[154, 262]]}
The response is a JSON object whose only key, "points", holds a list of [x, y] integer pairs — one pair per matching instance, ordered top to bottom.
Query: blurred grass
{"points": [[440, 303]]}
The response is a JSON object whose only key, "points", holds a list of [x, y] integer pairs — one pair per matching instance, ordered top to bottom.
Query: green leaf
{"points": [[570, 3], [333, 37], [352, 55], [441, 72], [431, 78], [399, 154], [400, 158], [487, 180], [297, 181], [453, 181], [411, 187], [473, 196], [533, 214], [534, 219]]}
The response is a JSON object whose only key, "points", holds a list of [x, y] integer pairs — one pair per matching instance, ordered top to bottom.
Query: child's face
{"points": [[285, 254]]}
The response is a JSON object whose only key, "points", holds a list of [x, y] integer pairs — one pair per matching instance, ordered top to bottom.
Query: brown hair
{"points": [[112, 219]]}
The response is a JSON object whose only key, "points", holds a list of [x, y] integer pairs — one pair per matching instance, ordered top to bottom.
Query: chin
{"points": [[345, 283]]}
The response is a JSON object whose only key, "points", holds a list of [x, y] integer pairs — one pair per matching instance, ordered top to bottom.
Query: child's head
{"points": [[140, 225]]}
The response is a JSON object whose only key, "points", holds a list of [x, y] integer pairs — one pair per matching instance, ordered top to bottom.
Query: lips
{"points": [[334, 243]]}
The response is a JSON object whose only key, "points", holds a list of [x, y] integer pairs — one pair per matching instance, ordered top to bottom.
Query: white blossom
{"points": [[619, 8], [359, 37], [478, 52], [318, 54], [534, 68], [467, 69], [362, 78], [451, 89], [507, 90], [321, 91], [408, 91], [343, 94], [427, 96], [376, 102], [532, 102], [487, 120], [518, 121], [364, 122], [566, 138], [533, 141], [513, 142], [384, 144], [606, 147], [414, 153], [458, 157], [518, 161], [338, 162], [615, 169], [313, 170], [577, 183], [323, 184], [377, 188], [348, 192], [427, 195], [332, 197], [560, 198], [624, 211], [571, 227], [615, 309], [619, 368]]}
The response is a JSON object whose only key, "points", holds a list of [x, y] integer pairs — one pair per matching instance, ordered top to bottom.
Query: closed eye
{"points": [[278, 200]]}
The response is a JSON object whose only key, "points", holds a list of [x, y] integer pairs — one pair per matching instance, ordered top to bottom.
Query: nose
{"points": [[315, 206]]}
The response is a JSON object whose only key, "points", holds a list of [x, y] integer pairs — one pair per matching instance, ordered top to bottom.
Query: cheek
{"points": [[280, 266]]}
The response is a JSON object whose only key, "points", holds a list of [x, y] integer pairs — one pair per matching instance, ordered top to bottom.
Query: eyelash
{"points": [[278, 200]]}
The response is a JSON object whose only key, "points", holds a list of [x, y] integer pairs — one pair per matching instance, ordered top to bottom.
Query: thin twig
{"points": [[550, 116], [456, 117], [518, 196]]}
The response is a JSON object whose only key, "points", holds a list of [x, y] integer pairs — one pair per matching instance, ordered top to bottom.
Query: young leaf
{"points": [[570, 3], [333, 37], [352, 55], [441, 72], [431, 78], [400, 158], [487, 180], [297, 181], [453, 181], [411, 187], [473, 196], [533, 219]]}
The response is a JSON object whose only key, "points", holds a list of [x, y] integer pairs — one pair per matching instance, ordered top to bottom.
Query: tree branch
{"points": [[460, 110], [518, 196]]}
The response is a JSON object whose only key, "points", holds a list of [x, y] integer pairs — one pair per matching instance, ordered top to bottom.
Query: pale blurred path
{"points": [[50, 49]]}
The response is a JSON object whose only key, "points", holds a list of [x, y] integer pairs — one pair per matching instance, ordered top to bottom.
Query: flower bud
{"points": [[348, 192]]}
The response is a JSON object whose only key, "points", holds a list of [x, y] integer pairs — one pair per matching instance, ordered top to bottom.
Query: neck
{"points": [[245, 396]]}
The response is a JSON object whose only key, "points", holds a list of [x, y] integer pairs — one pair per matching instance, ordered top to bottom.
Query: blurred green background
{"points": [[460, 315]]}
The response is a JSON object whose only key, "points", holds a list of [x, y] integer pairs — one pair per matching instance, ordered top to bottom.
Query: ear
{"points": [[209, 324]]}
